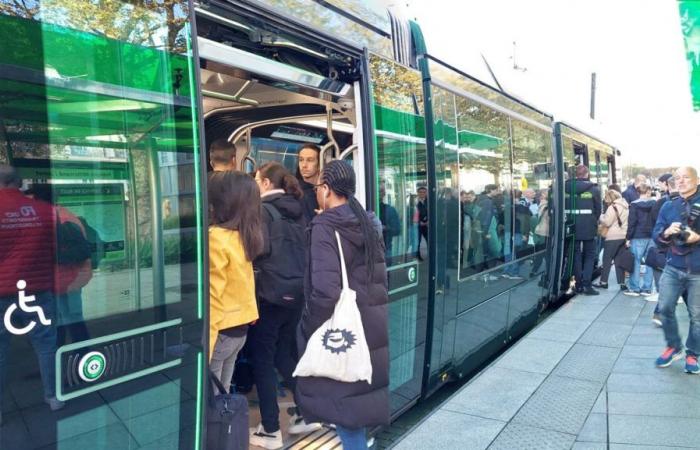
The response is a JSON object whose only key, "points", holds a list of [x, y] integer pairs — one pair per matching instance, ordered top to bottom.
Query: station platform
{"points": [[583, 379]]}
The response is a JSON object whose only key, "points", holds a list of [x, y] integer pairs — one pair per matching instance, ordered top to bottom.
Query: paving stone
{"points": [[578, 312], [625, 315], [560, 330], [606, 334], [648, 339], [642, 351], [534, 355], [587, 362], [646, 366], [664, 382], [486, 397], [560, 404], [647, 404], [601, 405], [595, 429], [447, 430], [654, 431], [523, 437], [589, 446], [645, 447]]}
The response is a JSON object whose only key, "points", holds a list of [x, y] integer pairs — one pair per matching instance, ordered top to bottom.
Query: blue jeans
{"points": [[639, 248], [513, 269], [673, 282], [43, 339], [352, 439]]}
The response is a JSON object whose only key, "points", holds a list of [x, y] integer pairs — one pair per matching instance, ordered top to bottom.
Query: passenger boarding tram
{"points": [[111, 109]]}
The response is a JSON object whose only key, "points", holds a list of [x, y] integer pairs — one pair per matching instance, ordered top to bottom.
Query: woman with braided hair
{"points": [[352, 407]]}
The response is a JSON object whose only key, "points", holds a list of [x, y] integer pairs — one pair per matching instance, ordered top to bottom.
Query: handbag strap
{"points": [[617, 213], [343, 269]]}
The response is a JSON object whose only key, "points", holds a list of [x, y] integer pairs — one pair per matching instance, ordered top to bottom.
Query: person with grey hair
{"points": [[677, 229]]}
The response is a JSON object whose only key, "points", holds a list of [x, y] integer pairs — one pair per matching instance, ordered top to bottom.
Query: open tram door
{"points": [[269, 99], [102, 248]]}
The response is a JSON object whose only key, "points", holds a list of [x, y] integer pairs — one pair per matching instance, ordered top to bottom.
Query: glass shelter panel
{"points": [[100, 227]]}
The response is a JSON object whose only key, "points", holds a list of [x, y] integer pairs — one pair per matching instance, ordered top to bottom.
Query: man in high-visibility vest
{"points": [[582, 200]]}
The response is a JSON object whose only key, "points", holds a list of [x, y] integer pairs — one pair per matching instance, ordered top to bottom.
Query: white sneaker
{"points": [[631, 293], [653, 297], [680, 300], [54, 403], [297, 425], [261, 438]]}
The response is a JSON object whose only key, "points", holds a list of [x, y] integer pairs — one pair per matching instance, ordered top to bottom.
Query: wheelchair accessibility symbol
{"points": [[25, 305]]}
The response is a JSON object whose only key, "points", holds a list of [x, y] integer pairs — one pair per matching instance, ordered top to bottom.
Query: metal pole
{"points": [[593, 76]]}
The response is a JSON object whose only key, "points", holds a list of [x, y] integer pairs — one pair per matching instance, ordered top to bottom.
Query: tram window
{"points": [[484, 177], [532, 177]]}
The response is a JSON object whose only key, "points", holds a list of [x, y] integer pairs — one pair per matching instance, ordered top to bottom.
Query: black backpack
{"points": [[71, 245], [280, 277]]}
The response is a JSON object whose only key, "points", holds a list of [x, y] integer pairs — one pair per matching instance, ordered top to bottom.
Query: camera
{"points": [[690, 223]]}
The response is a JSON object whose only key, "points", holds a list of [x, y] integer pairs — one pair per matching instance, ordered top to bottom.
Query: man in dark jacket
{"points": [[307, 174], [631, 194], [582, 200], [488, 219], [391, 226], [677, 229], [638, 237], [352, 407]]}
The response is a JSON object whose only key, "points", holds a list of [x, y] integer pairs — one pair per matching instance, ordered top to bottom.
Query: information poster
{"points": [[102, 207]]}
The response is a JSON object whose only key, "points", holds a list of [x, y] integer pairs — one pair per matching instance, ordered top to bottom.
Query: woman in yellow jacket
{"points": [[235, 239]]}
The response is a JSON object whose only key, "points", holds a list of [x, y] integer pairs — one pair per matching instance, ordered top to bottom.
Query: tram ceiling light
{"points": [[220, 19], [223, 54]]}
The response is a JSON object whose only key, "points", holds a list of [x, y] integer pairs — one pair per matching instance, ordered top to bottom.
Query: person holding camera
{"points": [[677, 229]]}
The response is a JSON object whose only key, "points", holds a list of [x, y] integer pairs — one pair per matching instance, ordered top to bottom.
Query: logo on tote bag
{"points": [[338, 341]]}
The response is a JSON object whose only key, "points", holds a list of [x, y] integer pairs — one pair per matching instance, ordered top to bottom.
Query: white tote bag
{"points": [[338, 349]]}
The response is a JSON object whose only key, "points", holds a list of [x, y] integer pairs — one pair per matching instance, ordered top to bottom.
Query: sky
{"points": [[643, 103]]}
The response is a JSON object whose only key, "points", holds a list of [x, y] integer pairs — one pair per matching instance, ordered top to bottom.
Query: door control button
{"points": [[92, 366]]}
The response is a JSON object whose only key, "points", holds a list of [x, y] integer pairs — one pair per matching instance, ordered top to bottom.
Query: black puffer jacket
{"points": [[308, 200], [641, 222], [352, 405]]}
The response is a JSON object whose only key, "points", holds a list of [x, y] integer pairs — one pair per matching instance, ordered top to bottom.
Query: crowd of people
{"points": [[651, 235], [275, 278]]}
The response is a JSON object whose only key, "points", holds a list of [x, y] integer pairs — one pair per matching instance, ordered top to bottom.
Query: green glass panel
{"points": [[690, 26], [98, 117], [401, 169]]}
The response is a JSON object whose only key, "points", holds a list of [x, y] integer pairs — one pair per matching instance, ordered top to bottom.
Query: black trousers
{"points": [[610, 249], [584, 257], [272, 349]]}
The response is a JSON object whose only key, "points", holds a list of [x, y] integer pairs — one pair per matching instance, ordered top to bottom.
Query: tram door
{"points": [[402, 205], [101, 239]]}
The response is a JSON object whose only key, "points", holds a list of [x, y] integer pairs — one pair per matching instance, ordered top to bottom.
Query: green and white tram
{"points": [[110, 106]]}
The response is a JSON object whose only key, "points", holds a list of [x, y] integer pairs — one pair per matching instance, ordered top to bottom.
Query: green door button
{"points": [[92, 366]]}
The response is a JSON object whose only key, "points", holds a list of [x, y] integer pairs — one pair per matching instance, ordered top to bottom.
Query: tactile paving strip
{"points": [[588, 362], [560, 404], [523, 437]]}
